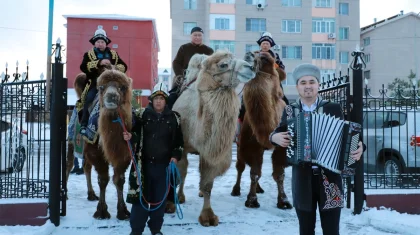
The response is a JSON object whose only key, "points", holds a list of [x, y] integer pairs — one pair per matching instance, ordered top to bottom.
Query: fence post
{"points": [[357, 66], [55, 140]]}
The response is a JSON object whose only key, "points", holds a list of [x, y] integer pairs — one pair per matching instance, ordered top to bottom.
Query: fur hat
{"points": [[100, 34], [266, 37], [306, 70], [159, 89]]}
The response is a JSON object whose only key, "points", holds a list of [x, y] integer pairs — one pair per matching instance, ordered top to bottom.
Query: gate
{"points": [[33, 138]]}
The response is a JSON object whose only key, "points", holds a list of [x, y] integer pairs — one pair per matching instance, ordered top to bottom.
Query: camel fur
{"points": [[115, 93], [264, 106], [209, 110]]}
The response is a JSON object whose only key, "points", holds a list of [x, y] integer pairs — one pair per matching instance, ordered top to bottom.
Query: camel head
{"points": [[261, 61], [226, 70], [114, 89]]}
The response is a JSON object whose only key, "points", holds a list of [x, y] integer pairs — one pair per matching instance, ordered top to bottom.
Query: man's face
{"points": [[197, 38], [100, 44], [265, 46], [308, 87], [159, 103]]}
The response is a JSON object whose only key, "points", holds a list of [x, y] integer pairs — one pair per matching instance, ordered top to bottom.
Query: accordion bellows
{"points": [[323, 140]]}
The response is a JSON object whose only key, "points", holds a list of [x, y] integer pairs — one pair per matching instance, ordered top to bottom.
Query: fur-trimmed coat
{"points": [[92, 59], [157, 140]]}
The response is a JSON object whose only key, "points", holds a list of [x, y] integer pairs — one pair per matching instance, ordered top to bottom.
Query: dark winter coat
{"points": [[184, 54], [92, 59], [158, 138], [330, 183]]}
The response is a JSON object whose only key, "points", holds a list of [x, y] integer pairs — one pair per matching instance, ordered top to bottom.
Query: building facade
{"points": [[321, 32], [135, 39], [392, 48], [165, 76]]}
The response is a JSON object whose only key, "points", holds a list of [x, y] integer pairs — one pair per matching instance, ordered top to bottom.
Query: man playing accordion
{"points": [[313, 185]]}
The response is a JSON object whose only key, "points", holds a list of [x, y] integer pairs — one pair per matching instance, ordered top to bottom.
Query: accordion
{"points": [[324, 140]]}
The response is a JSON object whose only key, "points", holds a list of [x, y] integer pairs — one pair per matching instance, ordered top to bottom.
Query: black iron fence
{"points": [[24, 135], [392, 136], [33, 137]]}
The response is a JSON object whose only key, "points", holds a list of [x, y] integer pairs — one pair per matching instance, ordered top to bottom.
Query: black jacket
{"points": [[91, 61], [162, 136], [330, 183]]}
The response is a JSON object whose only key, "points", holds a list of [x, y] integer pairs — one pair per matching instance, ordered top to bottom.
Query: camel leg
{"points": [[279, 161], [69, 163], [102, 167], [182, 167], [240, 167], [87, 168], [207, 175], [119, 181]]}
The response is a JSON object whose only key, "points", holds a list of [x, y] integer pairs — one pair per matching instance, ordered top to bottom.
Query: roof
{"points": [[117, 17], [386, 21]]}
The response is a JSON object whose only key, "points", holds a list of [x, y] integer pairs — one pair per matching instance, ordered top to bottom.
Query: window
{"points": [[224, 1], [255, 2], [291, 3], [324, 3], [190, 4], [343, 9], [222, 24], [255, 24], [323, 25], [188, 26], [291, 26], [344, 33], [366, 41], [219, 44], [251, 47], [323, 51], [291, 52], [344, 57], [367, 58], [327, 74], [366, 74], [289, 81], [373, 120]]}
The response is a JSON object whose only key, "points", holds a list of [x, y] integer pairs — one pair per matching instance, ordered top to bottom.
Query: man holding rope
{"points": [[160, 143]]}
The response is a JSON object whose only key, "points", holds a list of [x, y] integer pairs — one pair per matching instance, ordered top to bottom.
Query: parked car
{"points": [[391, 139], [13, 146]]}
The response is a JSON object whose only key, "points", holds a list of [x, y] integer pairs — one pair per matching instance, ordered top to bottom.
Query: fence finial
{"points": [[58, 41], [358, 63], [7, 65], [42, 76]]}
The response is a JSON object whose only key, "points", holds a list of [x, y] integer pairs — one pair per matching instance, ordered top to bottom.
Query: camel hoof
{"points": [[259, 189], [236, 191], [200, 194], [92, 196], [181, 198], [252, 202], [284, 204], [170, 207], [102, 212], [123, 213], [208, 218]]}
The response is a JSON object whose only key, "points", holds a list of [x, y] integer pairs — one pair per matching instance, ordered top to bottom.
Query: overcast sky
{"points": [[24, 24]]}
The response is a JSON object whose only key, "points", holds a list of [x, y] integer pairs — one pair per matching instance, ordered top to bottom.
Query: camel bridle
{"points": [[232, 72]]}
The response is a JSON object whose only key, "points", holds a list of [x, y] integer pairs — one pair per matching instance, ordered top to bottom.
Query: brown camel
{"points": [[79, 86], [115, 93], [264, 106], [209, 110]]}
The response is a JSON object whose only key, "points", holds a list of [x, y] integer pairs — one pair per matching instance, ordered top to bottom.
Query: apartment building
{"points": [[321, 32], [392, 48]]}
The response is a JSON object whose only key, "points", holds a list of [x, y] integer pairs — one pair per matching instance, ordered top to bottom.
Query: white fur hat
{"points": [[160, 89]]}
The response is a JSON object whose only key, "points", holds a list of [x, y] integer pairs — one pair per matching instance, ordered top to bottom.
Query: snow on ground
{"points": [[234, 217]]}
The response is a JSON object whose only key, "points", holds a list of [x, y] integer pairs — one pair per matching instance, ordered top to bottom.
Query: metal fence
{"points": [[24, 136], [392, 136], [33, 145]]}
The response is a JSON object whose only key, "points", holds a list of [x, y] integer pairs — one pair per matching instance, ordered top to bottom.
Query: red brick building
{"points": [[135, 39]]}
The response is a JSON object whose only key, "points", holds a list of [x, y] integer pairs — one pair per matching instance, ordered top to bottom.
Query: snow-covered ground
{"points": [[234, 217]]}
